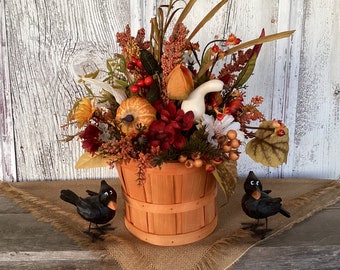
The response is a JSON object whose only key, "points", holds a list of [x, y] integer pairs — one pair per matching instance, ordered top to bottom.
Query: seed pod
{"points": [[231, 134], [221, 139], [235, 143], [226, 148], [196, 155], [233, 155], [182, 158], [189, 163], [198, 163]]}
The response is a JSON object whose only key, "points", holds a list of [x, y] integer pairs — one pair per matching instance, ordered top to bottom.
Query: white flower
{"points": [[215, 127], [105, 136]]}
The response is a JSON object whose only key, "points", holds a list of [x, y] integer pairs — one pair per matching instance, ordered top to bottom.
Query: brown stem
{"points": [[249, 127]]}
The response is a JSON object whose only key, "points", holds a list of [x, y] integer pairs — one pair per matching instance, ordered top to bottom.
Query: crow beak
{"points": [[256, 194], [112, 205]]}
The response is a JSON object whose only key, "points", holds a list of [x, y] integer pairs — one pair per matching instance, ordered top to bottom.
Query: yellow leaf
{"points": [[268, 148], [87, 161]]}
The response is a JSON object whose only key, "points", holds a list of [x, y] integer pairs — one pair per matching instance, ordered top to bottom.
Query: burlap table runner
{"points": [[301, 197]]}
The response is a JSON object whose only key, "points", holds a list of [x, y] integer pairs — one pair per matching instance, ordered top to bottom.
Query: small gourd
{"points": [[195, 101], [133, 112]]}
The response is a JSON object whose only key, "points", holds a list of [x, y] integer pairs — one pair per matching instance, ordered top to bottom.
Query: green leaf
{"points": [[206, 57], [205, 61], [149, 62], [108, 66], [246, 72], [92, 75], [121, 83], [88, 89], [153, 93], [267, 147], [226, 176]]}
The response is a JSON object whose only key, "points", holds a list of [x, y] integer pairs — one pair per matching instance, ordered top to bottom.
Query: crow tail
{"points": [[69, 196], [284, 212]]}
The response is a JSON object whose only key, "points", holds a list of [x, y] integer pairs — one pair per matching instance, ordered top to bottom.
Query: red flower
{"points": [[234, 106], [188, 120], [167, 131], [161, 135], [91, 141], [180, 141]]}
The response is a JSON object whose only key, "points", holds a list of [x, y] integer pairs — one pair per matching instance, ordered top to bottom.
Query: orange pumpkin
{"points": [[135, 111]]}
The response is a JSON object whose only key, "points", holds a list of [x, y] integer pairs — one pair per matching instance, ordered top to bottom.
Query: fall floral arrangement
{"points": [[160, 102]]}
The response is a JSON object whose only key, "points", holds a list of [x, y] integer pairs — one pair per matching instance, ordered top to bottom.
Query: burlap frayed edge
{"points": [[303, 207], [65, 222]]}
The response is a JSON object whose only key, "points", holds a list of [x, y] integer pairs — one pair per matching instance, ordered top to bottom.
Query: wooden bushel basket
{"points": [[175, 206]]}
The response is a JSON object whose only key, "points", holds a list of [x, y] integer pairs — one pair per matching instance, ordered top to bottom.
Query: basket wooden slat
{"points": [[174, 206]]}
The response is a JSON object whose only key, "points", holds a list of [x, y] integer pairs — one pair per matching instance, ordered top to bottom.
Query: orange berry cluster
{"points": [[230, 144], [194, 161]]}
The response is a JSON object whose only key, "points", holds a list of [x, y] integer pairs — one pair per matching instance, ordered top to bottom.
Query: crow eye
{"points": [[252, 182], [257, 183], [111, 192], [106, 193]]}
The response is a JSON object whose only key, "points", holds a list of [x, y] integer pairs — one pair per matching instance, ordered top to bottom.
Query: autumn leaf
{"points": [[268, 148], [87, 161], [226, 176]]}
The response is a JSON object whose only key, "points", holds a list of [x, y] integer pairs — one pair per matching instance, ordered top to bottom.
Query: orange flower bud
{"points": [[233, 40], [179, 83]]}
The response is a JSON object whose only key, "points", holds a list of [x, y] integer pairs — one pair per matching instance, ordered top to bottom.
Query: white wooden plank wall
{"points": [[44, 44]]}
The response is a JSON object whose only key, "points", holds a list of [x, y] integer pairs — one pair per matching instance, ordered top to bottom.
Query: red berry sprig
{"points": [[135, 66], [141, 83], [279, 128]]}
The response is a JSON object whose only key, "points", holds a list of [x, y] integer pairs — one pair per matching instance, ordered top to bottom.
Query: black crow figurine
{"points": [[257, 203], [98, 208]]}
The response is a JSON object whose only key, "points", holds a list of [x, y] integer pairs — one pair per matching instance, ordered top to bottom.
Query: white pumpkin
{"points": [[195, 101]]}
